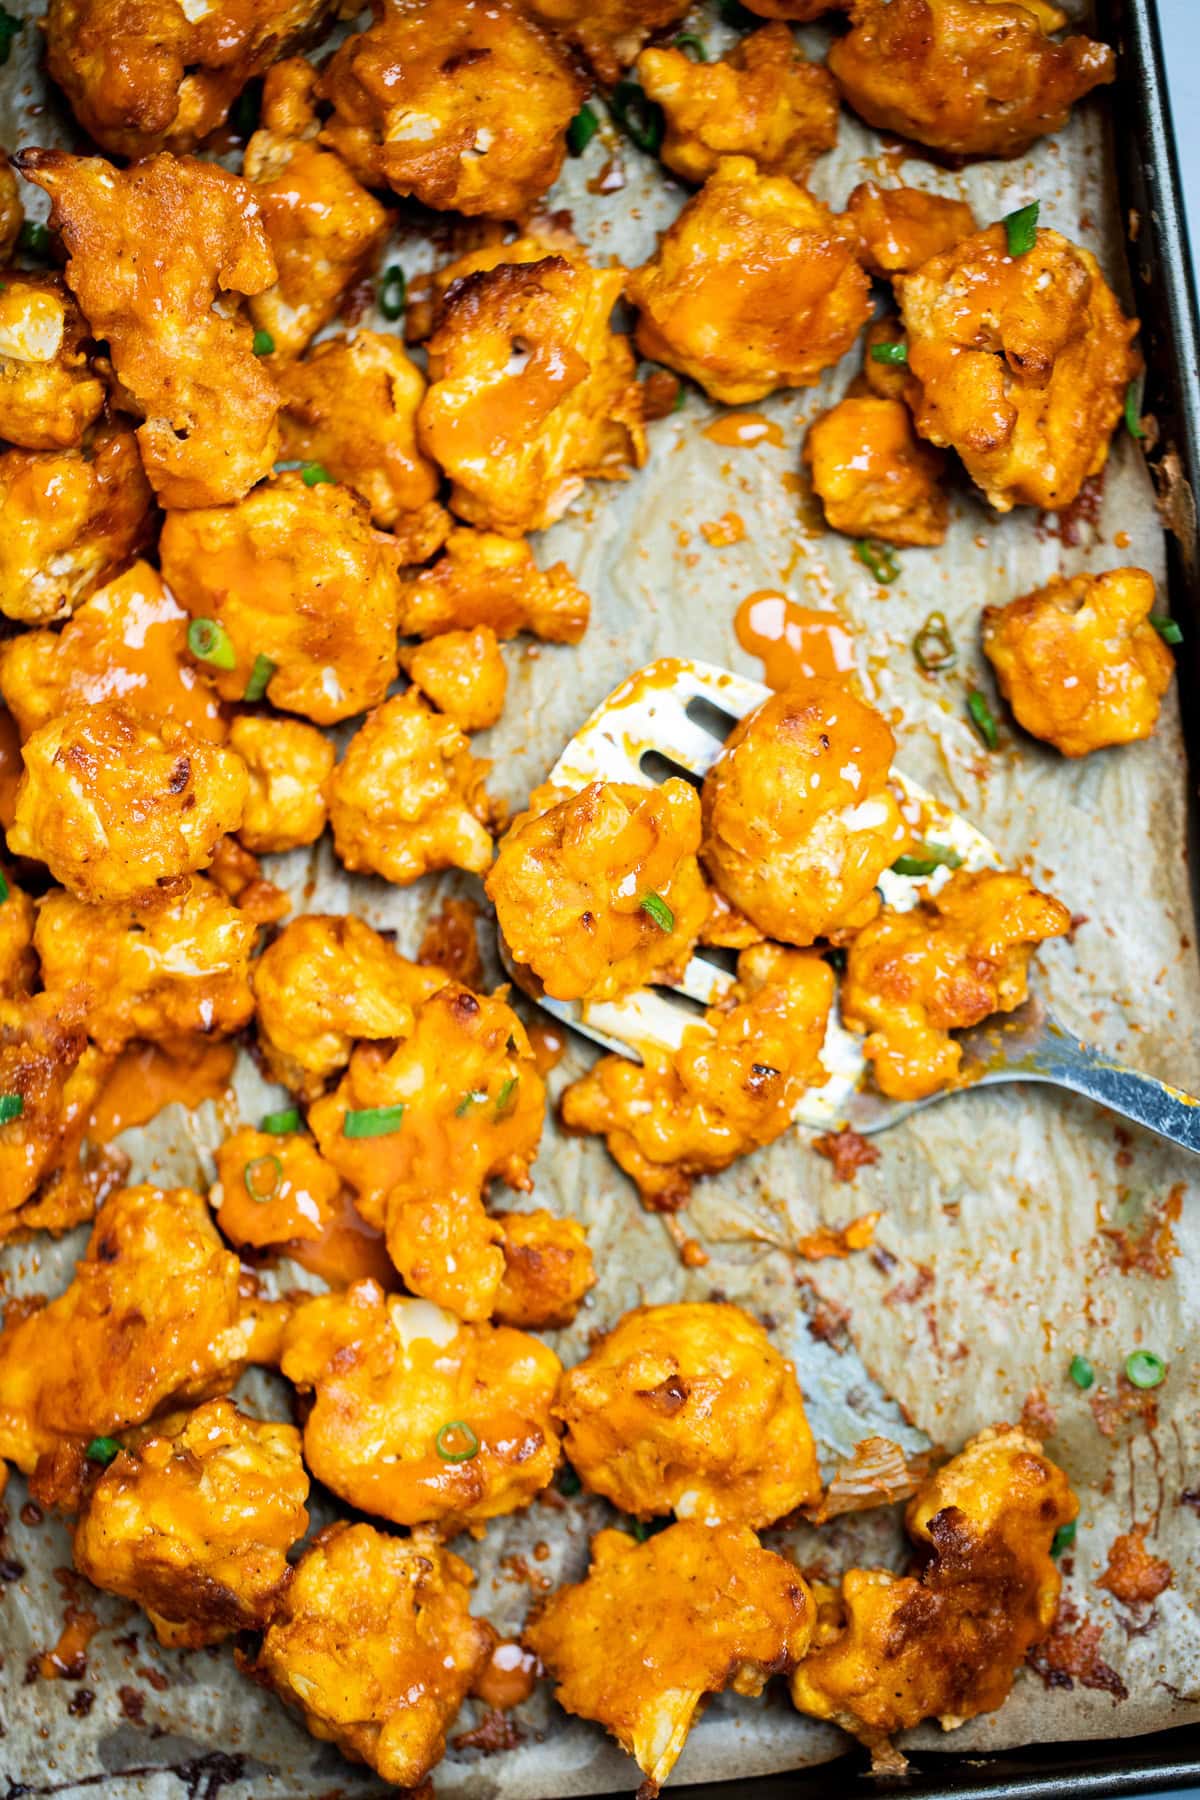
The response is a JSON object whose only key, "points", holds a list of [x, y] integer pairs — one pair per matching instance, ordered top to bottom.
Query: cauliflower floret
{"points": [[609, 32], [967, 77], [763, 100], [464, 104], [12, 213], [323, 227], [900, 228], [752, 288], [181, 348], [1020, 363], [887, 379], [531, 391], [48, 393], [873, 475], [72, 519], [294, 574], [484, 579], [128, 643], [1079, 662], [462, 673], [288, 764], [408, 796], [799, 821], [600, 892], [161, 972], [914, 977], [46, 1061], [732, 1085], [273, 1189], [547, 1270], [690, 1409], [418, 1417], [194, 1518], [654, 1628], [945, 1643], [375, 1644]]}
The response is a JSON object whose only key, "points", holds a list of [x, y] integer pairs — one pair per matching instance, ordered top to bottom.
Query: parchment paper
{"points": [[998, 1205]]}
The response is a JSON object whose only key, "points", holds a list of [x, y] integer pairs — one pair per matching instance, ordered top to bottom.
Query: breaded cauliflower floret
{"points": [[608, 32], [142, 75], [967, 77], [763, 100], [464, 104], [12, 213], [323, 227], [900, 228], [752, 288], [181, 348], [1020, 363], [889, 380], [531, 391], [48, 393], [873, 475], [72, 518], [294, 573], [484, 579], [128, 643], [1079, 661], [462, 673], [288, 764], [408, 796], [113, 804], [799, 821], [600, 892], [161, 972], [914, 977], [323, 985], [45, 1060], [732, 1085], [419, 1128], [273, 1189], [547, 1270], [690, 1409], [417, 1417], [193, 1519], [654, 1628], [945, 1642], [374, 1643]]}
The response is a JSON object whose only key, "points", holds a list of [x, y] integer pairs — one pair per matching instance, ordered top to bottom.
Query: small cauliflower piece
{"points": [[608, 32], [966, 77], [764, 100], [464, 104], [900, 228], [752, 288], [180, 346], [1019, 363], [887, 379], [531, 391], [48, 393], [873, 475], [72, 519], [294, 573], [484, 579], [1079, 661], [462, 673], [288, 764], [408, 796], [799, 820], [600, 892], [18, 963], [914, 977], [45, 1059], [732, 1085], [273, 1189], [547, 1270], [690, 1409], [417, 1416], [193, 1519], [654, 1628], [945, 1642], [375, 1644]]}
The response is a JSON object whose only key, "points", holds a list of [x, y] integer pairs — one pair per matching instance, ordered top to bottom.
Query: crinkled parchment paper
{"points": [[1005, 1212]]}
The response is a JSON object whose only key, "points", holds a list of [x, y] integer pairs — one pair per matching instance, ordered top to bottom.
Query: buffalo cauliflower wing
{"points": [[608, 32], [898, 229], [48, 392], [873, 475], [484, 579], [462, 673], [287, 763], [46, 1061], [273, 1189], [547, 1270]]}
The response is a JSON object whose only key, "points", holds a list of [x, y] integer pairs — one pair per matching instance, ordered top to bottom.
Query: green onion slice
{"points": [[9, 27], [687, 40], [640, 118], [582, 130], [1021, 228], [33, 238], [393, 292], [264, 343], [889, 353], [1133, 410], [313, 474], [881, 559], [1167, 630], [209, 641], [933, 646], [260, 676], [983, 719], [927, 859], [4, 890], [659, 911], [505, 1095], [475, 1097], [11, 1107], [373, 1121], [281, 1124], [262, 1177], [1144, 1369], [1081, 1372], [456, 1442], [102, 1450], [1063, 1538]]}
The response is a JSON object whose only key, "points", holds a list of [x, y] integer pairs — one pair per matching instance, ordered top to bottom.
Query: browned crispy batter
{"points": [[609, 32], [969, 77], [763, 100], [12, 213], [898, 229], [752, 288], [182, 351], [48, 392], [873, 475], [485, 579], [1078, 660], [462, 673], [288, 764], [238, 874], [450, 942], [273, 1189], [547, 1270]]}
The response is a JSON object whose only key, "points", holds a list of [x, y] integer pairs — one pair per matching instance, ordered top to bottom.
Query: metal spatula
{"points": [[672, 718]]}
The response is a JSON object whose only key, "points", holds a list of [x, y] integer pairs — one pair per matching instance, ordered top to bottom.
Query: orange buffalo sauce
{"points": [[744, 431], [793, 642], [549, 1044], [148, 1077], [347, 1250], [508, 1677]]}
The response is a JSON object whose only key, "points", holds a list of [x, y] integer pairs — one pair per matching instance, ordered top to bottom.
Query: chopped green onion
{"points": [[9, 27], [687, 40], [640, 118], [582, 130], [1021, 228], [34, 238], [393, 292], [263, 343], [889, 353], [680, 397], [1133, 410], [313, 474], [879, 558], [1167, 630], [211, 643], [933, 646], [260, 675], [983, 719], [927, 859], [4, 890], [659, 911], [505, 1095], [476, 1097], [11, 1107], [373, 1121], [280, 1124], [262, 1177], [1144, 1369], [1081, 1372], [457, 1431], [103, 1450], [568, 1483], [1063, 1538]]}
